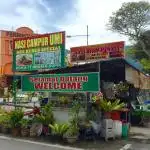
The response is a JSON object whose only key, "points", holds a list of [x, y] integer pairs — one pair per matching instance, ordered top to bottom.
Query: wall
{"points": [[6, 39], [137, 78], [63, 115]]}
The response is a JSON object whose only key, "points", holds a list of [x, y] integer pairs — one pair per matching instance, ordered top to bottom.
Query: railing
{"points": [[34, 111]]}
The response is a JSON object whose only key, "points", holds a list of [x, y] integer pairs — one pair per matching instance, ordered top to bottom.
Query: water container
{"points": [[117, 128], [125, 130]]}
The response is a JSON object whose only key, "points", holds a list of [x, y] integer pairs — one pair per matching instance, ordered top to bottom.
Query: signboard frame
{"points": [[38, 51], [97, 52], [94, 74]]}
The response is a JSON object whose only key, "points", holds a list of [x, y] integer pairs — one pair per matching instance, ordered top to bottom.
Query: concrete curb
{"points": [[127, 147]]}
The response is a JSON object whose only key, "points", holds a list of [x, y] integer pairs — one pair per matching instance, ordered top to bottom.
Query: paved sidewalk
{"points": [[140, 133]]}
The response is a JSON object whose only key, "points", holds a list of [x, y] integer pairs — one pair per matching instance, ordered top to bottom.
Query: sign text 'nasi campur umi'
{"points": [[40, 41], [38, 52], [64, 82]]}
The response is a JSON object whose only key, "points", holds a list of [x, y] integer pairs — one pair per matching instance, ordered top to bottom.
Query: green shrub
{"points": [[59, 129]]}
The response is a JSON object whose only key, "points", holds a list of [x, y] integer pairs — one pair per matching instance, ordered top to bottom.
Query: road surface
{"points": [[8, 143], [13, 144]]}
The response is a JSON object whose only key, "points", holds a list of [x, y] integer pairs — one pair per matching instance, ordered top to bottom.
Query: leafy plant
{"points": [[122, 87], [97, 98], [64, 99], [109, 106], [75, 110], [46, 117], [15, 118], [5, 120], [45, 120], [24, 123], [59, 129], [72, 131]]}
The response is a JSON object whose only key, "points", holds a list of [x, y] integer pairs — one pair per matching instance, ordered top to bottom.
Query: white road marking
{"points": [[127, 147]]}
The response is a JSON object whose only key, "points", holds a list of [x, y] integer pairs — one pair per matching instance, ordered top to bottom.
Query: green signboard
{"points": [[39, 52], [76, 82]]}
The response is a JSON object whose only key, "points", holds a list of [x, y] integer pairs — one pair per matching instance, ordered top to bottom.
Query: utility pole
{"points": [[87, 29], [87, 35]]}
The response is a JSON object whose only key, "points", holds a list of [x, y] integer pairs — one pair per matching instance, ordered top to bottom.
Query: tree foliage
{"points": [[131, 20], [136, 54], [146, 63]]}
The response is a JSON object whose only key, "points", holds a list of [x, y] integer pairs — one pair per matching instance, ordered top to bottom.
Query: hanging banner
{"points": [[39, 52], [97, 52], [76, 82]]}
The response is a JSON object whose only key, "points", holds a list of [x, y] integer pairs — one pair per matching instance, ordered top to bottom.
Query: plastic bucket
{"points": [[125, 128]]}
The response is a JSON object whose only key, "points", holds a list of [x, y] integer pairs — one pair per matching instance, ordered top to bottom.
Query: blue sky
{"points": [[45, 16]]}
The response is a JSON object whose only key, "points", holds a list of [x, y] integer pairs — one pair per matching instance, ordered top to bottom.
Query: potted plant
{"points": [[121, 89], [97, 98], [64, 100], [109, 106], [46, 117], [15, 118], [5, 124], [25, 129], [58, 130], [73, 131]]}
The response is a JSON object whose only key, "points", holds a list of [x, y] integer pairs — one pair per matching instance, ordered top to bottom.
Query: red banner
{"points": [[97, 52]]}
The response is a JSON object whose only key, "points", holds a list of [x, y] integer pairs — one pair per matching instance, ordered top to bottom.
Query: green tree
{"points": [[131, 20], [137, 54], [146, 64]]}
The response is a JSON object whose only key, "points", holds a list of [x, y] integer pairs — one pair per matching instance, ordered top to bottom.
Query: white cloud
{"points": [[94, 13], [25, 15]]}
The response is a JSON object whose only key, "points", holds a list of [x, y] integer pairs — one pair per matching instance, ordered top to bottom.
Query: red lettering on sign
{"points": [[85, 78], [62, 79], [38, 85], [56, 85], [72, 85], [79, 85], [46, 86], [63, 86]]}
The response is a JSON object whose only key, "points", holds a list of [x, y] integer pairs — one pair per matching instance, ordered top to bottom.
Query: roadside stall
{"points": [[83, 100]]}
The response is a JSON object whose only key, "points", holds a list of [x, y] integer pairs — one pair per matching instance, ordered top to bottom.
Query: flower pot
{"points": [[107, 115], [115, 115], [0, 128], [36, 129], [5, 130], [45, 130], [15, 131], [25, 132], [33, 133], [57, 138], [72, 139]]}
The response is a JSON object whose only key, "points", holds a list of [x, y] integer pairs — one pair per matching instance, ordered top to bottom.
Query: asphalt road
{"points": [[10, 144], [17, 144], [140, 146]]}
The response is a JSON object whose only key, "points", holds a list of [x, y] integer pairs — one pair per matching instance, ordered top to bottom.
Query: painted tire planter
{"points": [[5, 130], [15, 131], [25, 132]]}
